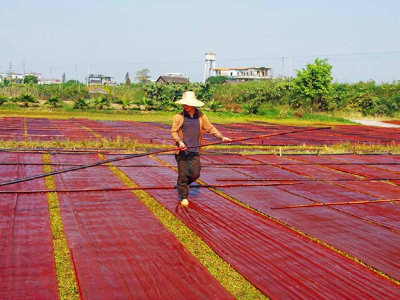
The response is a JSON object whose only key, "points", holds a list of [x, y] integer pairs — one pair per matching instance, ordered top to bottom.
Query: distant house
{"points": [[244, 74], [2, 76], [15, 76], [99, 79], [171, 79]]}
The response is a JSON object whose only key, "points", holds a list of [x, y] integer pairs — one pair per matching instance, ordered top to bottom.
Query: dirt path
{"points": [[375, 123]]}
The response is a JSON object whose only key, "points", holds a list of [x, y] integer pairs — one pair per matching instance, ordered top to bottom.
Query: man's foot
{"points": [[184, 202]]}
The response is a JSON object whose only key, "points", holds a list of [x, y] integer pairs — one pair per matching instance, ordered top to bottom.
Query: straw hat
{"points": [[189, 98]]}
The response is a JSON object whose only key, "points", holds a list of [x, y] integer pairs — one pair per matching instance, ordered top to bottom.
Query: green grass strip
{"points": [[167, 116], [129, 145], [229, 278], [66, 280]]}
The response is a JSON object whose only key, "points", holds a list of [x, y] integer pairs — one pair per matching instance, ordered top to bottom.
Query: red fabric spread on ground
{"points": [[152, 132], [349, 233], [120, 249], [27, 261], [279, 261]]}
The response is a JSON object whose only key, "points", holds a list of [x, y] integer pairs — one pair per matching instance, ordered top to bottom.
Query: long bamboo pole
{"points": [[152, 153], [225, 165], [307, 179], [161, 187], [336, 203]]}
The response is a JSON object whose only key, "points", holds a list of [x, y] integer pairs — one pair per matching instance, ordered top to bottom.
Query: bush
{"points": [[216, 79], [26, 99], [3, 100], [54, 101], [101, 102], [124, 102], [81, 103], [214, 105], [386, 106], [252, 107]]}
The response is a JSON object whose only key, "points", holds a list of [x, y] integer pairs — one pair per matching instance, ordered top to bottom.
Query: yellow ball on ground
{"points": [[185, 202]]}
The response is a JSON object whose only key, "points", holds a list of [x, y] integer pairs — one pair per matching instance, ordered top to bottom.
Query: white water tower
{"points": [[209, 65]]}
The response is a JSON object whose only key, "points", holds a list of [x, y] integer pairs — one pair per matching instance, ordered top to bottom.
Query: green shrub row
{"points": [[311, 91]]}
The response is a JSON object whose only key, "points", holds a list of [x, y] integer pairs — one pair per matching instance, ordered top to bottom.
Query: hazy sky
{"points": [[361, 39]]}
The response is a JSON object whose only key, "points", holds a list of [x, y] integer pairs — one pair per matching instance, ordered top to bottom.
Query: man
{"points": [[187, 131]]}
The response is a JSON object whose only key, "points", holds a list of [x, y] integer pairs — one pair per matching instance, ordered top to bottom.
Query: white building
{"points": [[244, 74], [180, 75], [15, 76], [99, 79], [49, 81]]}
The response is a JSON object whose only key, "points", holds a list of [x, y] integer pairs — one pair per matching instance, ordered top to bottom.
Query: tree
{"points": [[143, 76], [30, 79], [127, 79], [312, 84]]}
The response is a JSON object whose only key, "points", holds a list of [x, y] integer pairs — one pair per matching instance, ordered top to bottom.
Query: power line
{"points": [[348, 54], [314, 55], [222, 60]]}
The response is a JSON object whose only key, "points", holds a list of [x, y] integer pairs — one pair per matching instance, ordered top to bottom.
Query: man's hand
{"points": [[226, 139], [182, 146]]}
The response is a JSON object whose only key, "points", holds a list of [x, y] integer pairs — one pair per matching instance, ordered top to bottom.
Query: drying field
{"points": [[25, 129], [294, 226]]}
